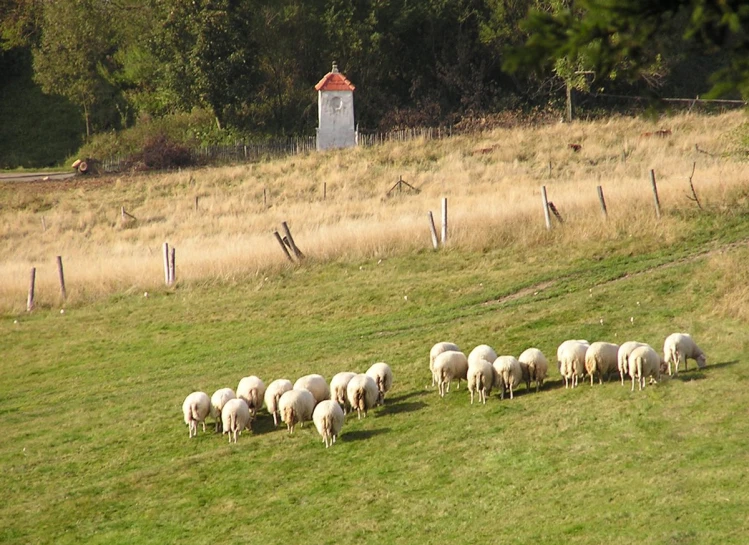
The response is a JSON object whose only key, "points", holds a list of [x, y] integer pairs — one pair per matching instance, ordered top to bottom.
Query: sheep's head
{"points": [[701, 361]]}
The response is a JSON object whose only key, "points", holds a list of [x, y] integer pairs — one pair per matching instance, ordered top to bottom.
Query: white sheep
{"points": [[678, 348], [436, 350], [482, 352], [622, 357], [601, 358], [571, 360], [644, 361], [537, 365], [448, 366], [509, 374], [383, 377], [480, 379], [316, 385], [338, 385], [252, 390], [273, 393], [362, 394], [218, 400], [296, 406], [195, 408], [235, 417], [328, 418]]}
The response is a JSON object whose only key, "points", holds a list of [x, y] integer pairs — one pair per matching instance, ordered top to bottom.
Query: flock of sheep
{"points": [[484, 370], [309, 398]]}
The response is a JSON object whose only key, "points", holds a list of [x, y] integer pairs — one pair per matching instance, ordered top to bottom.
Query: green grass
{"points": [[95, 450]]}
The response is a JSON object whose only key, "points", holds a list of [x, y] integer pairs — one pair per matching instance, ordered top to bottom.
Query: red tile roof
{"points": [[334, 81]]}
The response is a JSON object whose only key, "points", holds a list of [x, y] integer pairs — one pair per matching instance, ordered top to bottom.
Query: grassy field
{"points": [[95, 449]]}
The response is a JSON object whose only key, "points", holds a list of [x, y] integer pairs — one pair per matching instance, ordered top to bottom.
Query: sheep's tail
{"points": [[194, 415], [232, 423]]}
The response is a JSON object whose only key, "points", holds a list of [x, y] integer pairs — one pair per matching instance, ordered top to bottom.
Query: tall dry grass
{"points": [[492, 183]]}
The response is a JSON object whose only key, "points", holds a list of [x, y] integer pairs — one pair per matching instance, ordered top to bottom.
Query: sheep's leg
{"points": [[471, 396], [511, 396]]}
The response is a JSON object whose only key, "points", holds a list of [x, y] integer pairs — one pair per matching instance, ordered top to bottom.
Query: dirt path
{"points": [[35, 176]]}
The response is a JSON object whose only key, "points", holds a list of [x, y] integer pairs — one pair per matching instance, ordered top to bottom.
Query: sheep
{"points": [[678, 348], [436, 350], [482, 352], [622, 357], [602, 358], [571, 360], [644, 362], [536, 364], [448, 366], [509, 374], [383, 376], [480, 379], [316, 385], [338, 385], [252, 390], [273, 393], [362, 394], [218, 400], [296, 405], [196, 408], [235, 417], [328, 418]]}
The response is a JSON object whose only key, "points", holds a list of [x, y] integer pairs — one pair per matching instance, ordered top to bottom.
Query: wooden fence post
{"points": [[324, 190], [655, 194], [197, 198], [265, 198], [602, 201], [547, 217], [444, 221], [44, 224], [433, 230], [283, 246], [297, 252], [166, 263], [172, 268], [62, 278], [30, 299]]}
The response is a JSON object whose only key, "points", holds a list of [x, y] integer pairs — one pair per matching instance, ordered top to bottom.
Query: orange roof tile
{"points": [[334, 81]]}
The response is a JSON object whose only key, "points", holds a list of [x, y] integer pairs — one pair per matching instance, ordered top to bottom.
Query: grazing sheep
{"points": [[678, 348], [436, 350], [482, 352], [622, 357], [601, 358], [571, 360], [644, 362], [536, 364], [448, 366], [509, 374], [383, 377], [480, 379], [316, 385], [338, 385], [252, 390], [273, 393], [362, 394], [218, 400], [296, 406], [195, 408], [235, 417], [328, 418]]}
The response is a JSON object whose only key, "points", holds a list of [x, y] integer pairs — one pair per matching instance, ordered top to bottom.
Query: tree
{"points": [[620, 37]]}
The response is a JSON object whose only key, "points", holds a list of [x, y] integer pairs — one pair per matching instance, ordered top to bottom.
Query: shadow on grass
{"points": [[409, 395], [398, 408], [263, 424], [360, 435]]}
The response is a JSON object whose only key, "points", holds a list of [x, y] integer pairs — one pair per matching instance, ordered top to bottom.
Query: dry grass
{"points": [[492, 183]]}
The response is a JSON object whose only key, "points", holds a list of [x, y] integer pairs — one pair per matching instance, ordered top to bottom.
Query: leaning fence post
{"points": [[655, 194], [602, 201], [547, 217], [444, 221], [433, 230], [283, 246], [297, 252], [166, 263], [172, 268], [62, 278], [30, 299]]}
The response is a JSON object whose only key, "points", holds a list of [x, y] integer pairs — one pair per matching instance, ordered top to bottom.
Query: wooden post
{"points": [[570, 105], [549, 169], [324, 190], [655, 194], [197, 198], [265, 199], [602, 201], [555, 212], [122, 214], [547, 216], [444, 221], [44, 224], [433, 230], [283, 246], [297, 252], [166, 263], [172, 268], [62, 278], [30, 299]]}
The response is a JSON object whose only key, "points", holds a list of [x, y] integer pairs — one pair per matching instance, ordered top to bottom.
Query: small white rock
{"points": [[145, 294], [405, 297], [62, 311], [15, 321]]}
